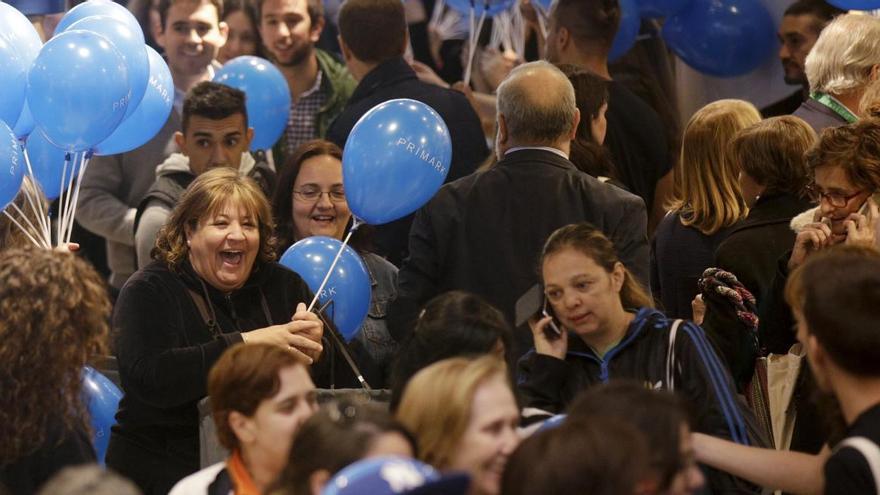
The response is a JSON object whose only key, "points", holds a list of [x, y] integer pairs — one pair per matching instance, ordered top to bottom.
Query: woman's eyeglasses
{"points": [[336, 195], [835, 199]]}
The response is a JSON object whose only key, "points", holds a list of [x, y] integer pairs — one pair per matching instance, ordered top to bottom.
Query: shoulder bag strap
{"points": [[670, 356], [870, 451]]}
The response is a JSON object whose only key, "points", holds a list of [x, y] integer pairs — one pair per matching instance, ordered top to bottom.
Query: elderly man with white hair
{"points": [[844, 60], [483, 233]]}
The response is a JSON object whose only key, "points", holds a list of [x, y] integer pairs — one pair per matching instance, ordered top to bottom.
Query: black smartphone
{"points": [[533, 304]]}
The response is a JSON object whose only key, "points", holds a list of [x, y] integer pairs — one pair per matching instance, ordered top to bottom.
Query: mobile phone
{"points": [[532, 304], [554, 325]]}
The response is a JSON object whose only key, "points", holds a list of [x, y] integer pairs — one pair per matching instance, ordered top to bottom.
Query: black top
{"points": [[394, 79], [785, 106], [637, 142], [483, 233], [679, 254], [60, 450], [847, 472]]}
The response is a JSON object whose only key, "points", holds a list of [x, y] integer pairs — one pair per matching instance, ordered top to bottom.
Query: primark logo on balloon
{"points": [[162, 90], [122, 102], [422, 153], [13, 165], [328, 292]]}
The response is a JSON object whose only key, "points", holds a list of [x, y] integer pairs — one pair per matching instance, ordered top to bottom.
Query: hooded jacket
{"points": [[548, 385]]}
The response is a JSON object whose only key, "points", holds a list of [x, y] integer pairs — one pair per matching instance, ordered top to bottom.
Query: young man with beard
{"points": [[801, 25], [320, 85], [113, 186]]}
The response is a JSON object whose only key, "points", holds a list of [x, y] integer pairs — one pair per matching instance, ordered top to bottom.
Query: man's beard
{"points": [[297, 57]]}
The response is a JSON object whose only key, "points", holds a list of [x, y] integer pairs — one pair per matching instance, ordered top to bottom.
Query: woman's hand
{"points": [[427, 74], [812, 238], [698, 307], [302, 335], [555, 346]]}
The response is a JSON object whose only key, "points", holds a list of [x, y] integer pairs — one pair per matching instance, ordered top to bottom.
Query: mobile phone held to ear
{"points": [[532, 304]]}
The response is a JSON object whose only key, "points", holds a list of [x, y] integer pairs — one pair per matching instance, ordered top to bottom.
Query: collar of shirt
{"points": [[314, 88], [543, 148]]}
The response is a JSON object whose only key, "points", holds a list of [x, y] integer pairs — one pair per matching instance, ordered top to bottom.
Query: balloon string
{"points": [[475, 35], [82, 171], [32, 194], [62, 197], [65, 217], [356, 223], [30, 225], [24, 231]]}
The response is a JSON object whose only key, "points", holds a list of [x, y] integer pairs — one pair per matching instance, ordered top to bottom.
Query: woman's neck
{"points": [[611, 332], [261, 475]]}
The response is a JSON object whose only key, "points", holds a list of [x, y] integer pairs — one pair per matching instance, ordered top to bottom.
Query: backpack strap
{"points": [[205, 311], [670, 356], [870, 451]]}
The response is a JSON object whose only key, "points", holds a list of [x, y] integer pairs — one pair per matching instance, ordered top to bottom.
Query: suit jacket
{"points": [[395, 79], [818, 115], [483, 233]]}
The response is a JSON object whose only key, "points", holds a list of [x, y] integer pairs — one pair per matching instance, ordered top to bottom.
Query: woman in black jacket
{"points": [[213, 284], [607, 329]]}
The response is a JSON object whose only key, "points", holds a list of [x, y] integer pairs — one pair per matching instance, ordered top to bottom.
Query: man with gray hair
{"points": [[840, 66], [483, 233]]}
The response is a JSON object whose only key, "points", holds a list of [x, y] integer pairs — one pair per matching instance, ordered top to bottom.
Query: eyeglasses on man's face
{"points": [[835, 199]]}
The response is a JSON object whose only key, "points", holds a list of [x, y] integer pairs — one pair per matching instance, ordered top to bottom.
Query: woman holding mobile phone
{"points": [[610, 330]]}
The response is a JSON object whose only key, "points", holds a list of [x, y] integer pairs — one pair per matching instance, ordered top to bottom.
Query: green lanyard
{"points": [[835, 106]]}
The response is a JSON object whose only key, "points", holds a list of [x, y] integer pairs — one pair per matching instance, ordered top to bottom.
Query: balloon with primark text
{"points": [[395, 159], [11, 165]]}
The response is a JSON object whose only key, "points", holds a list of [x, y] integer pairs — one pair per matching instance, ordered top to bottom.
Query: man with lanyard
{"points": [[844, 60]]}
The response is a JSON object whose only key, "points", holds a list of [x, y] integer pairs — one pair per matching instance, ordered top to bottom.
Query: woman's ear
{"points": [[618, 276], [242, 427], [317, 480]]}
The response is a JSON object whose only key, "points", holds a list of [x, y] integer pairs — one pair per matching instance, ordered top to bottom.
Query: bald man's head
{"points": [[537, 104]]}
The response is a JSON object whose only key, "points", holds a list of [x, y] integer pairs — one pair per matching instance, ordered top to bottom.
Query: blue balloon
{"points": [[856, 4], [99, 7], [491, 7], [653, 9], [628, 30], [20, 33], [723, 38], [130, 45], [13, 80], [78, 89], [268, 96], [150, 115], [25, 124], [395, 159], [47, 163], [11, 165], [348, 290], [103, 398], [391, 474]]}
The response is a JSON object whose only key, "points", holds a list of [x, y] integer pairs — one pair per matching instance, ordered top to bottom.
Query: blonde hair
{"points": [[842, 57], [869, 105], [772, 153], [207, 195], [707, 195], [436, 404]]}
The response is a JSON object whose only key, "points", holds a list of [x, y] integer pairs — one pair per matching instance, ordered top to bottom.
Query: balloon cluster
{"points": [[94, 88]]}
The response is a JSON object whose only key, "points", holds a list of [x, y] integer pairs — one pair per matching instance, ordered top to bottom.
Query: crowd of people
{"points": [[596, 301]]}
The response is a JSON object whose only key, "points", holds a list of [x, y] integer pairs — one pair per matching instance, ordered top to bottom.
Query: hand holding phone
{"points": [[861, 228], [550, 337]]}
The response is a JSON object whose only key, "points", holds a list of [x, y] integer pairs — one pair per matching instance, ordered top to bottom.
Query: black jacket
{"points": [[394, 79], [818, 115], [484, 233], [754, 245], [165, 350], [701, 378], [60, 449]]}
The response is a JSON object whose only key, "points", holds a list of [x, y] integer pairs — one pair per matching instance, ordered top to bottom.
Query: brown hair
{"points": [[315, 9], [588, 21], [374, 30], [590, 93], [855, 148], [772, 153], [207, 195], [707, 195], [10, 235], [592, 243], [837, 292], [54, 314], [243, 377], [436, 404], [341, 433], [600, 456]]}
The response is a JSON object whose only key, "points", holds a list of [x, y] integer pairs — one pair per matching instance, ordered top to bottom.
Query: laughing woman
{"points": [[310, 200], [213, 284]]}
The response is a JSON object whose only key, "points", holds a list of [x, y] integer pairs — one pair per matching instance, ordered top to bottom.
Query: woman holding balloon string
{"points": [[310, 201], [213, 284], [53, 319]]}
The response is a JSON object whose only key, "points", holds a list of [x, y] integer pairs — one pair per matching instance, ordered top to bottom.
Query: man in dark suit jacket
{"points": [[373, 38], [483, 233]]}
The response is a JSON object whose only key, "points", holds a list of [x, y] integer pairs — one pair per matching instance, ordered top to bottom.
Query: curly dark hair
{"points": [[54, 314]]}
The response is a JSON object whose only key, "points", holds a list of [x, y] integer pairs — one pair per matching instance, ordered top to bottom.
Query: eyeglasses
{"points": [[336, 195], [837, 200]]}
